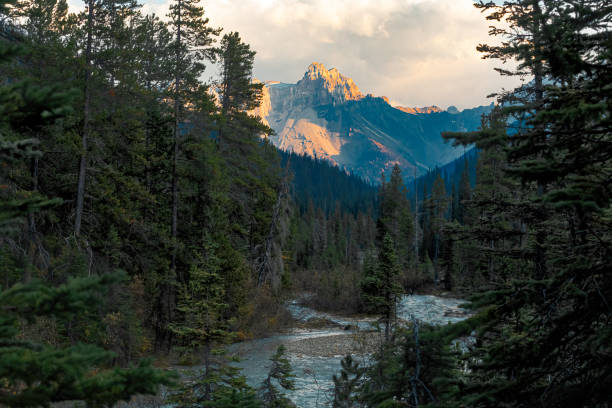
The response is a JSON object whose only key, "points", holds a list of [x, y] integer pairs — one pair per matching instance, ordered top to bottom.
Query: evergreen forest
{"points": [[148, 226]]}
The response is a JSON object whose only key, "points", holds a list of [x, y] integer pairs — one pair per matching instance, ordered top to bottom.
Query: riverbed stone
{"points": [[359, 343]]}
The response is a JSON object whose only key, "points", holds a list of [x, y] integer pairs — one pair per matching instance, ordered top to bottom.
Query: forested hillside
{"points": [[109, 177], [318, 183], [147, 226], [530, 240]]}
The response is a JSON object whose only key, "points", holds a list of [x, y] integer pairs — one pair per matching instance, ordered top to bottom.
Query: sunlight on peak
{"points": [[418, 52]]}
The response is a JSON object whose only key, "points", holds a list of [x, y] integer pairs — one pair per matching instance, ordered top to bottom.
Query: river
{"points": [[315, 354]]}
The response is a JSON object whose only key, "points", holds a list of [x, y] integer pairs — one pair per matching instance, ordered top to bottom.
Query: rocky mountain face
{"points": [[415, 110], [325, 115]]}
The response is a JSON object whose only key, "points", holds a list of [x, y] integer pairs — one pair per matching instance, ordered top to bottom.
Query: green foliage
{"points": [[191, 45], [238, 92], [144, 161], [319, 182], [192, 203], [436, 207], [394, 216], [537, 233], [533, 234], [324, 253], [370, 285], [380, 285], [202, 304], [417, 369], [36, 374], [281, 374], [346, 385], [219, 387], [231, 397]]}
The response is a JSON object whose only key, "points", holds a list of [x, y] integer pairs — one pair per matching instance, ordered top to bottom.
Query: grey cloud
{"points": [[416, 52]]}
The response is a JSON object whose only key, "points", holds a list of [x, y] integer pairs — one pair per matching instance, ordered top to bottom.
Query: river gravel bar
{"points": [[360, 343]]}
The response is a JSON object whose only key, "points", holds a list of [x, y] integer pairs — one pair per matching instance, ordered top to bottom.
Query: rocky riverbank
{"points": [[318, 341], [356, 343]]}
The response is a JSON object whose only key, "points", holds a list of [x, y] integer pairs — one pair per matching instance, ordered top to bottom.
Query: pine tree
{"points": [[118, 18], [191, 46], [88, 54], [238, 92], [36, 102], [254, 166], [464, 193], [437, 205], [395, 217], [491, 240], [427, 241], [389, 270], [370, 283], [380, 285], [201, 302], [543, 336], [417, 369], [281, 373], [34, 374], [37, 375], [346, 386]]}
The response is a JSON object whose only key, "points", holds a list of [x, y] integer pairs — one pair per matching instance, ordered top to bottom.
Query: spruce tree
{"points": [[191, 47], [238, 92], [83, 160], [464, 193], [438, 206], [395, 217], [380, 285], [543, 336], [418, 368], [33, 373], [280, 373], [346, 385]]}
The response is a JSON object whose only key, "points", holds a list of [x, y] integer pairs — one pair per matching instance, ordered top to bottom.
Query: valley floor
{"points": [[318, 340]]}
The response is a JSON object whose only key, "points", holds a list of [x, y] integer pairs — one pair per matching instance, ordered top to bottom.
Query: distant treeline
{"points": [[321, 184]]}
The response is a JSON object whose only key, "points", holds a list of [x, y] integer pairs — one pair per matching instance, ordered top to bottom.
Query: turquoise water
{"points": [[314, 374]]}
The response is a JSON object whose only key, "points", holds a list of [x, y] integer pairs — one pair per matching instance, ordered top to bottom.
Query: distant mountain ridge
{"points": [[415, 110], [325, 115]]}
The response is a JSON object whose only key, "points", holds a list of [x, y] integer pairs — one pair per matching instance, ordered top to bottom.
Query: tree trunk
{"points": [[177, 109], [83, 161], [31, 231], [540, 238], [436, 255], [264, 262], [168, 294], [390, 307], [164, 310]]}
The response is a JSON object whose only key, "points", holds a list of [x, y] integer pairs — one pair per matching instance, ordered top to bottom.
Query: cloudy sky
{"points": [[415, 52]]}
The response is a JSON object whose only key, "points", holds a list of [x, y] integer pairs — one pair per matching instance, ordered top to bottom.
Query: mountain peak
{"points": [[316, 70], [339, 87], [423, 110], [325, 115]]}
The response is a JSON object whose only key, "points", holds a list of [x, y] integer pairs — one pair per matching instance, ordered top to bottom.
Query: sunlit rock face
{"points": [[320, 86], [415, 110], [325, 115]]}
